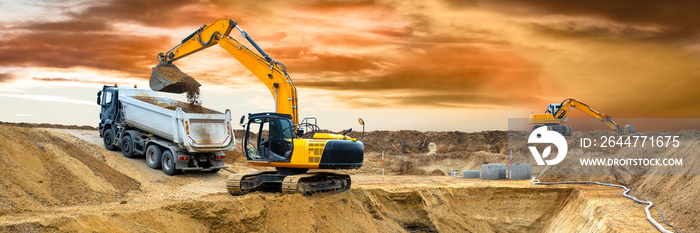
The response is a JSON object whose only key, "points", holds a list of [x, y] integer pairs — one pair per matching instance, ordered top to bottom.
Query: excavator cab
{"points": [[553, 108], [269, 137]]}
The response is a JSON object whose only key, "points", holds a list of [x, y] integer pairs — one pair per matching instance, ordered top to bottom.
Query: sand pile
{"points": [[186, 107], [47, 125], [412, 141], [405, 151], [49, 169], [675, 195], [197, 202], [471, 208], [359, 210], [376, 210]]}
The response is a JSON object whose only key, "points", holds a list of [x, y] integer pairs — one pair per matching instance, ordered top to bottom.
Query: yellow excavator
{"points": [[558, 113], [274, 139]]}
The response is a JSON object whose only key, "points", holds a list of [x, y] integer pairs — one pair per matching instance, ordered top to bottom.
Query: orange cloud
{"points": [[154, 13], [676, 16], [127, 53], [625, 59], [6, 77]]}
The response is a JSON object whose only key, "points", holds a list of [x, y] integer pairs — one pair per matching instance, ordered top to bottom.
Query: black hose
{"points": [[267, 58]]}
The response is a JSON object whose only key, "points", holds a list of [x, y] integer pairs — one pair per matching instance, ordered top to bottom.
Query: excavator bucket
{"points": [[169, 78], [630, 129]]}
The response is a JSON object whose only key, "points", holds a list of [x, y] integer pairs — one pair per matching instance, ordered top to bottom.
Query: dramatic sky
{"points": [[426, 65]]}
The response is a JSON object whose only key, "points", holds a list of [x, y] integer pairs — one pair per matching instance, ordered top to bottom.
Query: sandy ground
{"points": [[64, 180]]}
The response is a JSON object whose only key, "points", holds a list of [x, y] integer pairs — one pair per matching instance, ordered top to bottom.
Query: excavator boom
{"points": [[272, 73], [568, 104], [558, 113]]}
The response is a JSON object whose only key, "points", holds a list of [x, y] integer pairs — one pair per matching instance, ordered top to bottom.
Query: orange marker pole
{"points": [[382, 166]]}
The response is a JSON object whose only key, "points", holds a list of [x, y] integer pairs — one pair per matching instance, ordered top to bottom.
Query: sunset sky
{"points": [[424, 65]]}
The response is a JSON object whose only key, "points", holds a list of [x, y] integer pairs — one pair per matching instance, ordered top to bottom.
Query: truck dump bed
{"points": [[192, 127]]}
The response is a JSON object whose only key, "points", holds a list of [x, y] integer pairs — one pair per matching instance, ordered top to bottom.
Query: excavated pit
{"points": [[54, 181], [472, 209]]}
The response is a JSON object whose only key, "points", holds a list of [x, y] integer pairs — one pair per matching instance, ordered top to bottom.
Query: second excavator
{"points": [[559, 112], [274, 139]]}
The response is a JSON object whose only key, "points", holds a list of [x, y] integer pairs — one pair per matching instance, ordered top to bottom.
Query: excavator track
{"points": [[233, 182], [306, 183], [310, 183]]}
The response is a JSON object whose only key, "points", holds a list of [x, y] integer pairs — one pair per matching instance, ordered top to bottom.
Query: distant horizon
{"points": [[587, 125]]}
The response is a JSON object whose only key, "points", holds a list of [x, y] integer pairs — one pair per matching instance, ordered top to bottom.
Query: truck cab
{"points": [[107, 99]]}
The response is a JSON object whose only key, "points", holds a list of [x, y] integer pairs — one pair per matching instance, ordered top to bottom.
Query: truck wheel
{"points": [[568, 131], [108, 139], [128, 146], [153, 156], [168, 163], [214, 170]]}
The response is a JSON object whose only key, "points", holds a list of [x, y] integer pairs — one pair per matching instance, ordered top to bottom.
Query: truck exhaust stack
{"points": [[169, 78]]}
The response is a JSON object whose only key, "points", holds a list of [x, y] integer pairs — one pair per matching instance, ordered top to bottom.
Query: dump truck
{"points": [[172, 135]]}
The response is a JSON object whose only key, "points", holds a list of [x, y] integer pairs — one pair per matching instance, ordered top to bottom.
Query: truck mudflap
{"points": [[200, 162], [203, 169]]}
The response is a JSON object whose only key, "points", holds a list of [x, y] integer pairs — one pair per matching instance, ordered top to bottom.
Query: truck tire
{"points": [[568, 131], [108, 139], [128, 146], [153, 156], [168, 163], [214, 170]]}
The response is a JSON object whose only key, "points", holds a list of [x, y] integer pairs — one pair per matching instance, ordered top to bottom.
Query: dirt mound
{"points": [[186, 107], [47, 125], [411, 141], [406, 151], [421, 164], [43, 168], [675, 195], [198, 202], [473, 208], [360, 210]]}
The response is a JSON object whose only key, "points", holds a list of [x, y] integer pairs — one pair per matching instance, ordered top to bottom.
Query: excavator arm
{"points": [[271, 72], [568, 104]]}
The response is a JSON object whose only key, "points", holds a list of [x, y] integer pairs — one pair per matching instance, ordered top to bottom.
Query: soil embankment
{"points": [[39, 168], [63, 180]]}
